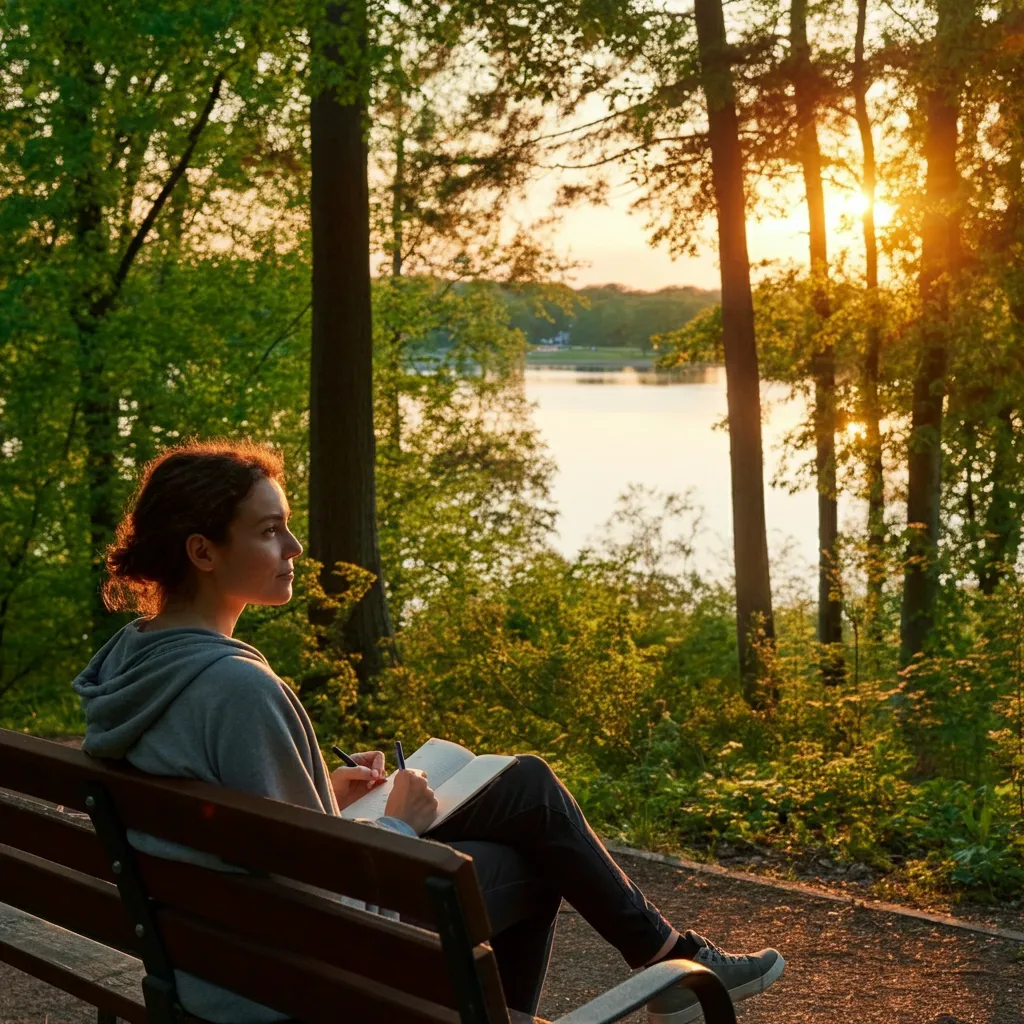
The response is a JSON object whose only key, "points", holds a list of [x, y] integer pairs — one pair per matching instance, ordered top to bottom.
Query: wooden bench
{"points": [[85, 912]]}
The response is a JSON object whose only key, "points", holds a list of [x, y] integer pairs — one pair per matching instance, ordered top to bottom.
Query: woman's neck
{"points": [[179, 620]]}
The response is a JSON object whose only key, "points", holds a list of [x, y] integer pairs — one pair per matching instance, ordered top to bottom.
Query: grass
{"points": [[48, 710]]}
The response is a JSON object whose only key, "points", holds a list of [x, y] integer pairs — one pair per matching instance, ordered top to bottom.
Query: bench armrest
{"points": [[643, 986]]}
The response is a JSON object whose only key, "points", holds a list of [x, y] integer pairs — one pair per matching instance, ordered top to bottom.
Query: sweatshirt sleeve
{"points": [[260, 740], [393, 825]]}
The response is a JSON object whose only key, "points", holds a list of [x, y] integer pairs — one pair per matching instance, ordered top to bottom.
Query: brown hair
{"points": [[194, 487]]}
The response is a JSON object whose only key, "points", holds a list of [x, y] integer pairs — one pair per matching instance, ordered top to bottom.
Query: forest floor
{"points": [[849, 958], [845, 963]]}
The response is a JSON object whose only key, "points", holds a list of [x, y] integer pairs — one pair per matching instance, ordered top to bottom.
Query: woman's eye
{"points": [[269, 528]]}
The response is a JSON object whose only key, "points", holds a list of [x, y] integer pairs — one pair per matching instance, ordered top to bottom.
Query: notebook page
{"points": [[440, 759], [473, 777]]}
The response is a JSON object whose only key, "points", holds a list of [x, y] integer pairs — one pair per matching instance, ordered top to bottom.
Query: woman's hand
{"points": [[352, 783], [412, 800]]}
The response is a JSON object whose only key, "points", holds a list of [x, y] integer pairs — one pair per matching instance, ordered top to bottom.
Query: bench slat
{"points": [[39, 828], [380, 867], [75, 901], [92, 907], [259, 908], [263, 910], [87, 970], [313, 992]]}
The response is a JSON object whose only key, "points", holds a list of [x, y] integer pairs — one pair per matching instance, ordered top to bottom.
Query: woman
{"points": [[176, 695]]}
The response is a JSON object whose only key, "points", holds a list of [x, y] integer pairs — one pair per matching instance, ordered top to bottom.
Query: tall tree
{"points": [[807, 93], [940, 262], [870, 411], [342, 455], [1001, 529], [753, 585]]}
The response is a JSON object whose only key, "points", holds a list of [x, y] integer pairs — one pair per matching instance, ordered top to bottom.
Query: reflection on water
{"points": [[584, 374], [670, 436]]}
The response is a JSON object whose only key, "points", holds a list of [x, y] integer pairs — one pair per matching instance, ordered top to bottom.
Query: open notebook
{"points": [[453, 773]]}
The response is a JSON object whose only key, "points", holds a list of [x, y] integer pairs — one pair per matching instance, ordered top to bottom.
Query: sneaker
{"points": [[743, 976]]}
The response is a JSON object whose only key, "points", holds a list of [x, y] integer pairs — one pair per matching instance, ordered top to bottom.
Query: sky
{"points": [[614, 242]]}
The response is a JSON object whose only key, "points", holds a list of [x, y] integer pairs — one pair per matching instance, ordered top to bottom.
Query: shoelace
{"points": [[716, 954]]}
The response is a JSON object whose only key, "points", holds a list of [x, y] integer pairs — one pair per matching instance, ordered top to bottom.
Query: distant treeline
{"points": [[608, 316]]}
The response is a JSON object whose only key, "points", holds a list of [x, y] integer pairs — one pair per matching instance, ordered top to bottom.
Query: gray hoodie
{"points": [[193, 703]]}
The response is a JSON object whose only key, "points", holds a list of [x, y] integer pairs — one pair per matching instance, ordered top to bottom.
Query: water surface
{"points": [[607, 429]]}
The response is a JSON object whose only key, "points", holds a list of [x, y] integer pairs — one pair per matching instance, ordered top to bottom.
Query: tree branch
{"points": [[624, 153], [103, 304], [277, 341]]}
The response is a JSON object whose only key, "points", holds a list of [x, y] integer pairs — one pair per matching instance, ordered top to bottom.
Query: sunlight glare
{"points": [[883, 210], [855, 429]]}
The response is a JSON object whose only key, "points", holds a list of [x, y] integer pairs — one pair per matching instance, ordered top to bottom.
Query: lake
{"points": [[608, 429]]}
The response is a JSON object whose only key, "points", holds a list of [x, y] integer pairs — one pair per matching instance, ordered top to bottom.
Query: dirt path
{"points": [[843, 965]]}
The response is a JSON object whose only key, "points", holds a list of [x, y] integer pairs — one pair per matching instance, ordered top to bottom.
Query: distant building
{"points": [[560, 340]]}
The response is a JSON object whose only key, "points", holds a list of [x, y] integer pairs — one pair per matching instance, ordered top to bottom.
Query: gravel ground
{"points": [[843, 965]]}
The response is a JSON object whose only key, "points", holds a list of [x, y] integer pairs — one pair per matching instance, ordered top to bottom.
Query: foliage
{"points": [[609, 316]]}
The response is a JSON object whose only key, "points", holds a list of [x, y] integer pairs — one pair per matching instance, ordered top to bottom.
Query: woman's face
{"points": [[255, 566]]}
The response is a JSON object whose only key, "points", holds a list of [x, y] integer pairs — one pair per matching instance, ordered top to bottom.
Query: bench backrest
{"points": [[276, 944]]}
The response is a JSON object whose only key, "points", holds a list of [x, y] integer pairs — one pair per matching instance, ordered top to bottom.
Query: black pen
{"points": [[341, 753], [399, 755]]}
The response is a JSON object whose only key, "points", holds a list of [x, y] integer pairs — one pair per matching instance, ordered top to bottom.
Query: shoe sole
{"points": [[737, 995]]}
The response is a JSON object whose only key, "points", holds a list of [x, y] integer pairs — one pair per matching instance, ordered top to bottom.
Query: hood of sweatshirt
{"points": [[132, 679]]}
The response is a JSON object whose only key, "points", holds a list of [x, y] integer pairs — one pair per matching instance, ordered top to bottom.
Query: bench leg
{"points": [[102, 1017]]}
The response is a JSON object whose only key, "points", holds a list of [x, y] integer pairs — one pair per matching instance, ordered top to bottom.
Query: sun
{"points": [[883, 211]]}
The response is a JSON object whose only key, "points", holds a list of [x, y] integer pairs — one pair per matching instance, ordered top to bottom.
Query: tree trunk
{"points": [[806, 91], [397, 224], [940, 258], [99, 407], [870, 410], [100, 414], [342, 497], [1003, 518], [753, 586]]}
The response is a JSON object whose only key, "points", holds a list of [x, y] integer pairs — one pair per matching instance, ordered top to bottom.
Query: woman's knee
{"points": [[534, 770]]}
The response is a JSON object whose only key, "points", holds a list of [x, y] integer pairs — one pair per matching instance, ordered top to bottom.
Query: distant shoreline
{"points": [[580, 357], [583, 360]]}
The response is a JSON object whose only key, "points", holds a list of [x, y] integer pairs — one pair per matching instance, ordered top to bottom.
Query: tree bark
{"points": [[806, 92], [397, 238], [940, 260], [99, 407], [870, 408], [342, 496], [1002, 520], [1002, 530], [753, 586]]}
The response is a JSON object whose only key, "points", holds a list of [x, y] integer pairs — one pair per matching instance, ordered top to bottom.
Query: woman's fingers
{"points": [[374, 760]]}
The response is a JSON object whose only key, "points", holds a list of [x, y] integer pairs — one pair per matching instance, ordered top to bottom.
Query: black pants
{"points": [[531, 846]]}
